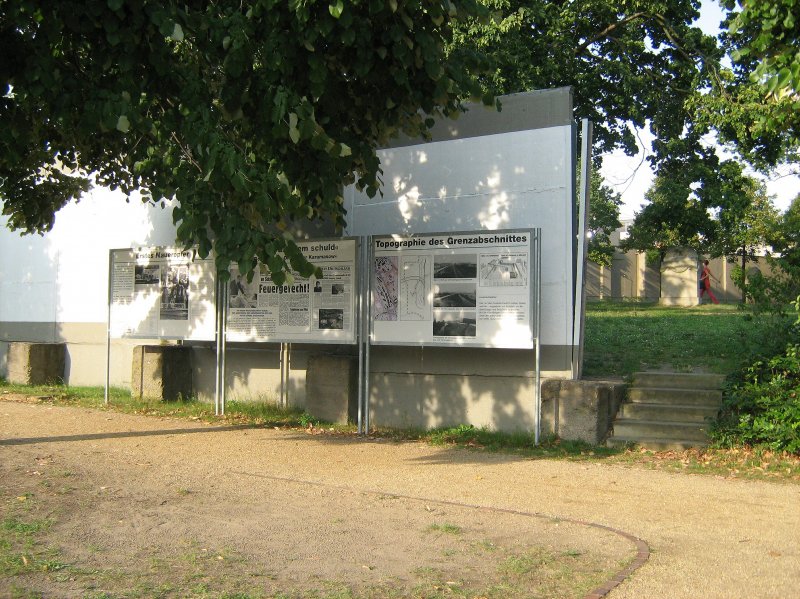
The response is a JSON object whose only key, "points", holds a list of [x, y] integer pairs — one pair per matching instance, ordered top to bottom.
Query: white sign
{"points": [[465, 289], [162, 293], [311, 310]]}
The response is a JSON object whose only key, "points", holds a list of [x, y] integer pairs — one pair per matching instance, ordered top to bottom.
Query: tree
{"points": [[767, 33], [636, 62], [755, 103], [252, 115], [604, 206], [715, 208], [785, 241]]}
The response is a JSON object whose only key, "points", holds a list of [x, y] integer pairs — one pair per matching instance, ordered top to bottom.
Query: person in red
{"points": [[705, 283]]}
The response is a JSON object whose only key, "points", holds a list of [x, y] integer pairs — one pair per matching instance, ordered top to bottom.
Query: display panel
{"points": [[458, 289], [161, 293], [311, 310]]}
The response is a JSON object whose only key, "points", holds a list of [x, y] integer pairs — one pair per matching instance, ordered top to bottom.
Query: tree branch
{"points": [[605, 32]]}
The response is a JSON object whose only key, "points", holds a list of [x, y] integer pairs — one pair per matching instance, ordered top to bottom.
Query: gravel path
{"points": [[708, 536]]}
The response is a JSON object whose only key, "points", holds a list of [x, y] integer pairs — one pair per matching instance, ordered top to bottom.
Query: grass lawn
{"points": [[625, 337]]}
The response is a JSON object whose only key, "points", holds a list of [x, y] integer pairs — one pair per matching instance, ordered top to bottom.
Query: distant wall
{"points": [[673, 282]]}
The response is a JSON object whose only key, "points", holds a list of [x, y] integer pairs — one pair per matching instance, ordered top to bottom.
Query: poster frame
{"points": [[534, 290], [210, 337], [353, 340]]}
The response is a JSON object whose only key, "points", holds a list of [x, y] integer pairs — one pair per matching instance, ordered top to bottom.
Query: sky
{"points": [[632, 176]]}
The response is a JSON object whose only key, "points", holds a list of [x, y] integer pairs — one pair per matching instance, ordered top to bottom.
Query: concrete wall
{"points": [[520, 162], [485, 171], [679, 277], [673, 283], [580, 410]]}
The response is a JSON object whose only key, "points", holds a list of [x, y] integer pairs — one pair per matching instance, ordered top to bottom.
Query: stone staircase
{"points": [[668, 411]]}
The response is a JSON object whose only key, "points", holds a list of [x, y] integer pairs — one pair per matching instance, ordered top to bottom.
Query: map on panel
{"points": [[414, 289], [384, 300]]}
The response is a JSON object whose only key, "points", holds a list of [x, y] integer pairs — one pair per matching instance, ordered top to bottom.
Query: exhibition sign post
{"points": [[455, 289], [466, 289], [159, 293], [164, 293], [301, 310], [306, 310]]}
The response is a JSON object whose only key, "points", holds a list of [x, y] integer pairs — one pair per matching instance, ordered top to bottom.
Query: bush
{"points": [[762, 407]]}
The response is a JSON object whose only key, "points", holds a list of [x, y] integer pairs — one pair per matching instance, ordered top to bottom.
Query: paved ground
{"points": [[708, 537]]}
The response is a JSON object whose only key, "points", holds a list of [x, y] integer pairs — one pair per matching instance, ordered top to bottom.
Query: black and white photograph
{"points": [[459, 266], [146, 274], [337, 289], [175, 293], [241, 294], [454, 295], [331, 318], [459, 323]]}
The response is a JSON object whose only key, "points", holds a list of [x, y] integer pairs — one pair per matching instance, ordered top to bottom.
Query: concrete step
{"points": [[678, 380], [673, 396], [667, 413], [626, 428], [655, 444]]}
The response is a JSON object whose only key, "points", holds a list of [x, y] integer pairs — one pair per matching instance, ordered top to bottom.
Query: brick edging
{"points": [[642, 549]]}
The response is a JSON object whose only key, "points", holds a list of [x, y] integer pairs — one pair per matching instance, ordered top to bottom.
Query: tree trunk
{"points": [[744, 274]]}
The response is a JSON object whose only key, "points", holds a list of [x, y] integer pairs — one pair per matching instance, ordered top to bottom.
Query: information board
{"points": [[455, 289], [165, 293], [307, 309]]}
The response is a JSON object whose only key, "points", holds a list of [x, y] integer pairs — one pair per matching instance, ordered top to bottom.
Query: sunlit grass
{"points": [[626, 337]]}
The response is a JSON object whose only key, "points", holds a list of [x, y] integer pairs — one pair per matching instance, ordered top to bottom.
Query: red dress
{"points": [[705, 285]]}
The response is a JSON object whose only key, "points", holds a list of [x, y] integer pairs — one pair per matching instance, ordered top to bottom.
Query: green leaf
{"points": [[336, 9], [177, 33], [784, 77], [123, 124]]}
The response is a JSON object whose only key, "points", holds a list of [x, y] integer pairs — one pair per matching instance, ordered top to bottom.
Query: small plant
{"points": [[305, 419], [450, 529]]}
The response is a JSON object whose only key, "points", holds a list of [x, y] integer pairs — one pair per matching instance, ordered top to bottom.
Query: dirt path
{"points": [[146, 507]]}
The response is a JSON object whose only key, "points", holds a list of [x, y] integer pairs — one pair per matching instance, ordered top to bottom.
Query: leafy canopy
{"points": [[635, 62], [754, 104], [253, 115], [712, 206]]}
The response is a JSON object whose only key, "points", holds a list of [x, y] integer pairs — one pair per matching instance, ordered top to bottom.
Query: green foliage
{"points": [[633, 62], [753, 102], [251, 115], [604, 206], [710, 206], [782, 235], [785, 241], [763, 409], [450, 529]]}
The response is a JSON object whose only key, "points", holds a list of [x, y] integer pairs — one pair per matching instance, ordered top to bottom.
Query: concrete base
{"points": [[679, 276], [36, 363], [161, 372], [332, 388], [580, 410]]}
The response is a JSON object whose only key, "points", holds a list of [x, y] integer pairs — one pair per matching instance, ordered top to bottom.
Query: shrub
{"points": [[762, 408]]}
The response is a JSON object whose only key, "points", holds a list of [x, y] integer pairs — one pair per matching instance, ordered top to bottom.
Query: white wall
{"points": [[509, 180], [63, 275]]}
